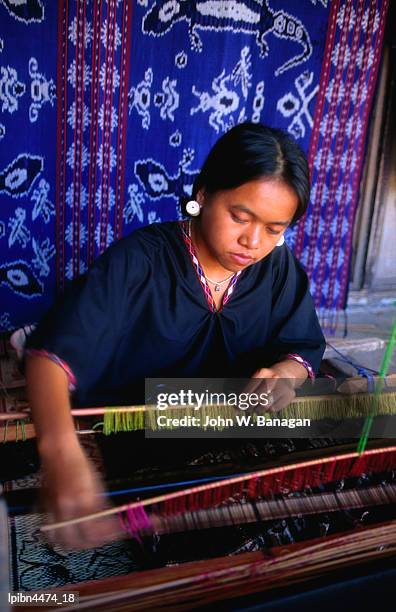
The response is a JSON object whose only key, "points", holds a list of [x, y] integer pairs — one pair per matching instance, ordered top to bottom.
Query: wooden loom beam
{"points": [[204, 582]]}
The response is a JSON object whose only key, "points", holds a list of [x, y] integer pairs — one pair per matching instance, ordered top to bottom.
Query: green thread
{"points": [[379, 386], [337, 407], [116, 421], [97, 425], [23, 429], [5, 432]]}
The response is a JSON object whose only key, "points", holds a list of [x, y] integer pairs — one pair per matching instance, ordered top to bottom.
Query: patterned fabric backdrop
{"points": [[108, 109]]}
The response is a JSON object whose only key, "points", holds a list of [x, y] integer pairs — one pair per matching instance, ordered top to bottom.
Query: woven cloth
{"points": [[108, 109], [38, 565]]}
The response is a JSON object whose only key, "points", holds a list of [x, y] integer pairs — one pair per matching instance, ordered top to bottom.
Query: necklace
{"points": [[217, 284]]}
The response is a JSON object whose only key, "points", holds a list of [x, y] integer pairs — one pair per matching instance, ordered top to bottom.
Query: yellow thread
{"points": [[337, 408]]}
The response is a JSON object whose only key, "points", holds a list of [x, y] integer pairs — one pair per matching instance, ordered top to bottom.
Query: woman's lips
{"points": [[240, 259]]}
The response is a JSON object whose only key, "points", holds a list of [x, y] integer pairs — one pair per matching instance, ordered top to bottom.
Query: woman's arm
{"points": [[295, 330], [287, 368], [280, 381], [50, 404], [72, 487]]}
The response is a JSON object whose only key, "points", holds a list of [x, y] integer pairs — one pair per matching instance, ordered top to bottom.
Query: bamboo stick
{"points": [[348, 388], [204, 582]]}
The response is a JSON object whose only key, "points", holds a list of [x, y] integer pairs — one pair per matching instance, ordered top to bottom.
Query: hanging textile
{"points": [[347, 84], [108, 109]]}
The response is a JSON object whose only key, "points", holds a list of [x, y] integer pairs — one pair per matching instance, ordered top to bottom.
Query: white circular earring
{"points": [[193, 208], [281, 241]]}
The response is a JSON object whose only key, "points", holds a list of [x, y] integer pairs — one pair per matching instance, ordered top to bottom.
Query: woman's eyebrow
{"points": [[245, 209], [283, 223]]}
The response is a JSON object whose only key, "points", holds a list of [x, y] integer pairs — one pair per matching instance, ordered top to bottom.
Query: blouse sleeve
{"points": [[295, 329], [82, 330]]}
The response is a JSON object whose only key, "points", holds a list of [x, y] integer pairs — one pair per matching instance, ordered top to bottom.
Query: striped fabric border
{"points": [[349, 72], [93, 75], [186, 233]]}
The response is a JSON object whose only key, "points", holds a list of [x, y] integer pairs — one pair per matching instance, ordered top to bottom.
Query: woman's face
{"points": [[238, 227]]}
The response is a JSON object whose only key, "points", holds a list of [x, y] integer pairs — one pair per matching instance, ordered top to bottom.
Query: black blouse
{"points": [[141, 312]]}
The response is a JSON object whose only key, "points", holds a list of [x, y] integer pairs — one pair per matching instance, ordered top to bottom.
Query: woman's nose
{"points": [[250, 239]]}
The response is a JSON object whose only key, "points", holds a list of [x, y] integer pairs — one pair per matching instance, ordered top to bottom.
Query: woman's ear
{"points": [[200, 197]]}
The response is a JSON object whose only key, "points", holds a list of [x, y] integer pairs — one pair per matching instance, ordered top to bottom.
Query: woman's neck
{"points": [[211, 267]]}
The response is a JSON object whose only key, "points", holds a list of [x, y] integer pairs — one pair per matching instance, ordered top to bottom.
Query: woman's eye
{"points": [[238, 219], [273, 232]]}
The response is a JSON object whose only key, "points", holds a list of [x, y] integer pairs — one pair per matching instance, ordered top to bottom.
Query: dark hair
{"points": [[252, 151]]}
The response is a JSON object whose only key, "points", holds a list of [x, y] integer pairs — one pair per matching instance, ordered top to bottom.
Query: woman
{"points": [[219, 295]]}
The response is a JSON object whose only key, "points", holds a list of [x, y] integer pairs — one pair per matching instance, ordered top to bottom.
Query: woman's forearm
{"points": [[288, 368], [50, 405], [72, 487]]}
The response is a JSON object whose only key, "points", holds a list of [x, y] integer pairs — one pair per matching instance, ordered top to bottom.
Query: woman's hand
{"points": [[279, 382], [73, 489]]}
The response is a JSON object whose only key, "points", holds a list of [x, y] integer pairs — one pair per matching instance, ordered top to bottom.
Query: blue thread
{"points": [[361, 370], [171, 484], [148, 488]]}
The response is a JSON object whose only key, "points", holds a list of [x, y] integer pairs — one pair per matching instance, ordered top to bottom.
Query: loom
{"points": [[350, 32], [335, 400], [330, 481], [250, 500]]}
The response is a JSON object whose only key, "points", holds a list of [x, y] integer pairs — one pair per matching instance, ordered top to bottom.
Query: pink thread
{"points": [[303, 362], [137, 521]]}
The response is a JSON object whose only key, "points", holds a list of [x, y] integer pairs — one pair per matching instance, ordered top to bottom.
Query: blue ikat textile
{"points": [[108, 109]]}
